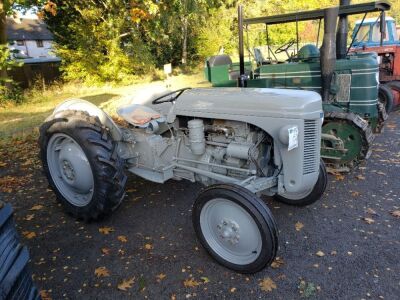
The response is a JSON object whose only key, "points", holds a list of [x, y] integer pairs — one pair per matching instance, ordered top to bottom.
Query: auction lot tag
{"points": [[293, 138]]}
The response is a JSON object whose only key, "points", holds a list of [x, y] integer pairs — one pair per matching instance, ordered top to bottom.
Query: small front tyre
{"points": [[81, 163], [310, 196], [235, 227]]}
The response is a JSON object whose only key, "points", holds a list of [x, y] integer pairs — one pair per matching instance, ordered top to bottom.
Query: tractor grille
{"points": [[310, 161]]}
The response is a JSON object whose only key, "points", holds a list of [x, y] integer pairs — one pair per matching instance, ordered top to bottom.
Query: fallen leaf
{"points": [[2, 164], [380, 173], [339, 177], [360, 177], [355, 194], [36, 207], [371, 211], [395, 213], [29, 217], [368, 220], [298, 226], [106, 230], [29, 234], [122, 238], [148, 246], [105, 251], [334, 252], [320, 253], [277, 263], [102, 272], [160, 277], [205, 279], [190, 282], [126, 284], [267, 285], [232, 290], [45, 295], [173, 297]]}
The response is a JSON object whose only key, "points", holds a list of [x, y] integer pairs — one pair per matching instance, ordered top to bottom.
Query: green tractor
{"points": [[347, 82]]}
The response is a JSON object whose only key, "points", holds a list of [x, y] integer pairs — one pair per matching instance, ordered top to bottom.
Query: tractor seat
{"points": [[140, 115]]}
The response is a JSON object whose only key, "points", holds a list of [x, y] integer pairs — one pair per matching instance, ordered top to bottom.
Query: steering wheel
{"points": [[285, 47], [177, 93]]}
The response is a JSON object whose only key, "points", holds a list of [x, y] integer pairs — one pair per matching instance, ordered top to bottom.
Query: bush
{"points": [[11, 93]]}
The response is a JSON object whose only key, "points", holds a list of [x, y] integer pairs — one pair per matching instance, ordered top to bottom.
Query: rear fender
{"points": [[91, 109]]}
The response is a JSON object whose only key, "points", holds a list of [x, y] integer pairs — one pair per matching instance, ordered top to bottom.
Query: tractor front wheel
{"points": [[81, 163], [310, 196], [235, 227]]}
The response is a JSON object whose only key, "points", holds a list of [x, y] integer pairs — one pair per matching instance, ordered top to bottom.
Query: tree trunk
{"points": [[4, 6], [184, 39]]}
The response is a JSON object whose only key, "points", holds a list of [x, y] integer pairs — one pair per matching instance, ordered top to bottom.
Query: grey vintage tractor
{"points": [[240, 143]]}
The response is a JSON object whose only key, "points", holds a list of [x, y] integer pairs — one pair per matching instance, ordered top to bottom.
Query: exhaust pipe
{"points": [[341, 34], [328, 50], [242, 79]]}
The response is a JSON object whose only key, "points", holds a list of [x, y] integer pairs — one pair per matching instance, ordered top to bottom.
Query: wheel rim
{"points": [[349, 134], [70, 169], [297, 196], [230, 231]]}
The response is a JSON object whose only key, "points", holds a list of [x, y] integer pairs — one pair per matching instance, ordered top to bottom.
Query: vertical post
{"points": [[383, 26], [341, 34], [297, 35], [328, 51], [242, 80]]}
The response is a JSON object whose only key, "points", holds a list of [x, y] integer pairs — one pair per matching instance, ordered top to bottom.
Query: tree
{"points": [[101, 41]]}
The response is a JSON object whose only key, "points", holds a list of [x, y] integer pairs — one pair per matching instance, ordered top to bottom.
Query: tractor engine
{"points": [[229, 148]]}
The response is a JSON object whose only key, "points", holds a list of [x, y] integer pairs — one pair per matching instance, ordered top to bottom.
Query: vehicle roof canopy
{"points": [[345, 10], [373, 20]]}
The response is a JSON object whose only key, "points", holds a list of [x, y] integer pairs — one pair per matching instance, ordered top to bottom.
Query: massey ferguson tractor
{"points": [[367, 38], [347, 82], [240, 143]]}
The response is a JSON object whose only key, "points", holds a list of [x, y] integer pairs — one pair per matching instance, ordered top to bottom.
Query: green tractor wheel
{"points": [[347, 143]]}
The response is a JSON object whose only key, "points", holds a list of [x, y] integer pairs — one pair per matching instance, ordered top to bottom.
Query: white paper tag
{"points": [[293, 138]]}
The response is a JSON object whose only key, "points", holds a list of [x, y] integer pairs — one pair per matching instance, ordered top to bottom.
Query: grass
{"points": [[22, 119]]}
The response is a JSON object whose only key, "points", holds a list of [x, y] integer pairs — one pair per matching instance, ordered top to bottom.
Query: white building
{"points": [[30, 37]]}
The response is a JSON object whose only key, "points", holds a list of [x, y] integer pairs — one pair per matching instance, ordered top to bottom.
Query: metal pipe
{"points": [[383, 26], [319, 30], [342, 32], [297, 36], [328, 51], [242, 82], [216, 144], [215, 165], [212, 175]]}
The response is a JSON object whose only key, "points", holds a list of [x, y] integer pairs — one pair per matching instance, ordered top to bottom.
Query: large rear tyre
{"points": [[395, 87], [385, 97], [81, 163], [310, 196], [235, 227], [15, 275]]}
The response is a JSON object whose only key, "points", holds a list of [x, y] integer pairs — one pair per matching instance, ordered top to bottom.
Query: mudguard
{"points": [[91, 109]]}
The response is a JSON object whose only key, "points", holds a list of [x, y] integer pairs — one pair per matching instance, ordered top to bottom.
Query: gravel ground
{"points": [[345, 246]]}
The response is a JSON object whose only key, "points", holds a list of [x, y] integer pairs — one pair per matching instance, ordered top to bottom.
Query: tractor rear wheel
{"points": [[395, 87], [385, 97], [81, 163], [310, 196], [235, 227]]}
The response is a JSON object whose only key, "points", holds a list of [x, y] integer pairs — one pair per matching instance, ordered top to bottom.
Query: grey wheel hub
{"points": [[70, 169], [230, 231]]}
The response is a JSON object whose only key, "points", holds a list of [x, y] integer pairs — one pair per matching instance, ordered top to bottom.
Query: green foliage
{"points": [[99, 42], [9, 91]]}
